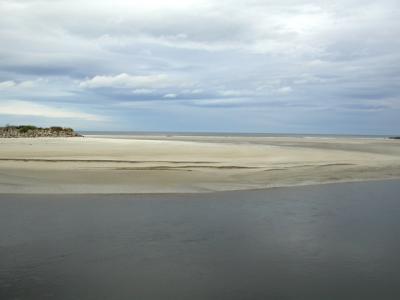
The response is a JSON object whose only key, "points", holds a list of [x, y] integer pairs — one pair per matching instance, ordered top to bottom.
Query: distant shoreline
{"points": [[228, 134]]}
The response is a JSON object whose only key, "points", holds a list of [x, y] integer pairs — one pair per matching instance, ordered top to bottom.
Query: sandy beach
{"points": [[176, 164]]}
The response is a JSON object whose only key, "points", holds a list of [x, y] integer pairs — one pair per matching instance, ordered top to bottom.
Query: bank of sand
{"points": [[169, 164]]}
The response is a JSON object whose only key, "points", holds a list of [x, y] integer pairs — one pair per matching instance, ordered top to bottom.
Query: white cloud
{"points": [[131, 81], [7, 84], [14, 85], [284, 90], [196, 91], [142, 92], [231, 93], [170, 96], [221, 102], [26, 108]]}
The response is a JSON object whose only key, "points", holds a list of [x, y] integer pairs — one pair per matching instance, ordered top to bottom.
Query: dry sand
{"points": [[169, 164]]}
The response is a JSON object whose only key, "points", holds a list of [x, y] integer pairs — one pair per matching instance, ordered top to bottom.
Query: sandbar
{"points": [[189, 164]]}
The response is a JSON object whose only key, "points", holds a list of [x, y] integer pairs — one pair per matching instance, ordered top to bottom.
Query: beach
{"points": [[189, 164]]}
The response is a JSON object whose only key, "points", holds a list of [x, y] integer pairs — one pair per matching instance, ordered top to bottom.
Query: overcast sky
{"points": [[202, 65]]}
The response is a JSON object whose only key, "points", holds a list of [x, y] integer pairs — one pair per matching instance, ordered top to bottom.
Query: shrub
{"points": [[8, 126], [26, 128]]}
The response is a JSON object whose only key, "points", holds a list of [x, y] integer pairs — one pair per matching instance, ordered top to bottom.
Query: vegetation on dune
{"points": [[26, 128], [56, 128], [34, 131]]}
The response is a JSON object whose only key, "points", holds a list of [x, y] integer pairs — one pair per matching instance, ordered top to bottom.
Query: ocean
{"points": [[224, 134]]}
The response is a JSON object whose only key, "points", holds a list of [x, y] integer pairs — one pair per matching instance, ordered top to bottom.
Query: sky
{"points": [[287, 66]]}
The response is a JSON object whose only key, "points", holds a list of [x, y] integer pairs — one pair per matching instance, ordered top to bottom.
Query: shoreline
{"points": [[310, 185]]}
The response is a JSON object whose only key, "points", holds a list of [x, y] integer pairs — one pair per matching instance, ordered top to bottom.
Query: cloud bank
{"points": [[202, 65], [25, 108]]}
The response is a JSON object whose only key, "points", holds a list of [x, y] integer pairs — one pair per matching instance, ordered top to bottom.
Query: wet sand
{"points": [[178, 164], [335, 241]]}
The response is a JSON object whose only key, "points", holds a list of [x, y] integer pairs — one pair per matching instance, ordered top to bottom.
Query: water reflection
{"points": [[335, 241]]}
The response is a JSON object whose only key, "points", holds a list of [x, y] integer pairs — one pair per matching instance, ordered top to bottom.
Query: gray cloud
{"points": [[297, 61]]}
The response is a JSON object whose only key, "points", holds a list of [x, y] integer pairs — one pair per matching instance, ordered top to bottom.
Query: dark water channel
{"points": [[337, 241]]}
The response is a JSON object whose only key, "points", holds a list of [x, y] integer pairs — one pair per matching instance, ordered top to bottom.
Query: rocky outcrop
{"points": [[32, 132]]}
